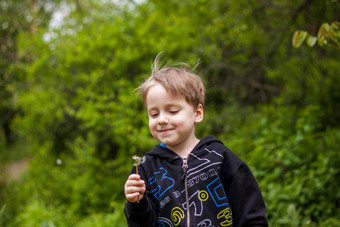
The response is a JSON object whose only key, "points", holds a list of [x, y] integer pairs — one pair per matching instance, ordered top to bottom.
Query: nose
{"points": [[163, 119]]}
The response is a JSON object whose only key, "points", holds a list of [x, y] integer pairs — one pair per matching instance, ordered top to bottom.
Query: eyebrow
{"points": [[170, 105]]}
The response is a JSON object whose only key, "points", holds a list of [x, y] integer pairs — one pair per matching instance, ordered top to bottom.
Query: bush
{"points": [[295, 162]]}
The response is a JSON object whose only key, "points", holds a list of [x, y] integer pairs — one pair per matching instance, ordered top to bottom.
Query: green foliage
{"points": [[327, 34], [79, 119], [294, 160], [297, 164]]}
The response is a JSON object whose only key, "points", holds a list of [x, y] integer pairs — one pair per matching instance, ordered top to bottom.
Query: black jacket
{"points": [[218, 186]]}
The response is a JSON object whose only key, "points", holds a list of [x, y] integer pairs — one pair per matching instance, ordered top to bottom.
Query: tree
{"points": [[17, 17]]}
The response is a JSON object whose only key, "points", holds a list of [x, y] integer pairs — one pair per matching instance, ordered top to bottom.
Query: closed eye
{"points": [[173, 111], [153, 115]]}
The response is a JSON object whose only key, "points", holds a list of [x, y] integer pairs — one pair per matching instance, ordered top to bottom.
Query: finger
{"points": [[134, 177], [134, 183], [133, 189], [134, 195], [133, 198]]}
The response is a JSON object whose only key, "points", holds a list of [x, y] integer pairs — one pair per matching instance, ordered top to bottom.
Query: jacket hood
{"points": [[163, 152]]}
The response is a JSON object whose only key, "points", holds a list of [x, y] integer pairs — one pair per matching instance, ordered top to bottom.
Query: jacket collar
{"points": [[163, 152]]}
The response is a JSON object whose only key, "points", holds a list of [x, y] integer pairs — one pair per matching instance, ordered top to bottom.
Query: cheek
{"points": [[180, 121], [151, 124], [152, 129]]}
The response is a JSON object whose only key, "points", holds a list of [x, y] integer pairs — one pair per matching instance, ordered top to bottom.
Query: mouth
{"points": [[165, 131]]}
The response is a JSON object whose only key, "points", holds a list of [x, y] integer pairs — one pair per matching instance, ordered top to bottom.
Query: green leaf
{"points": [[335, 25], [326, 27], [323, 30], [299, 37], [311, 40], [322, 41]]}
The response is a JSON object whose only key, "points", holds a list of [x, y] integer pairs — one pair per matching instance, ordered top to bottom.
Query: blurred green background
{"points": [[70, 120]]}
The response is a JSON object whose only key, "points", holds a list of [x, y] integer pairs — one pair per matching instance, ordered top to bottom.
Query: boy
{"points": [[185, 181]]}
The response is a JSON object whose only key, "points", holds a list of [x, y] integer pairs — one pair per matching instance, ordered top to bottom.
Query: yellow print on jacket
{"points": [[203, 195], [226, 213], [177, 214]]}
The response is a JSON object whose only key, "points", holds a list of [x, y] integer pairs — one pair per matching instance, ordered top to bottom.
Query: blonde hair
{"points": [[178, 81]]}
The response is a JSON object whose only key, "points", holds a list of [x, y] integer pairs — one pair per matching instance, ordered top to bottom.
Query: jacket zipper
{"points": [[185, 167]]}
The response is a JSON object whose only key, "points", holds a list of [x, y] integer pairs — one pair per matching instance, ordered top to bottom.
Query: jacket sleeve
{"points": [[244, 195], [143, 213], [140, 214]]}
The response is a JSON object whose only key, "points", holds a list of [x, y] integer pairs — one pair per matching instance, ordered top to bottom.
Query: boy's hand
{"points": [[134, 188]]}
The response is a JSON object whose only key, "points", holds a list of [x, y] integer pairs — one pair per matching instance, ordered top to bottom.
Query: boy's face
{"points": [[171, 120]]}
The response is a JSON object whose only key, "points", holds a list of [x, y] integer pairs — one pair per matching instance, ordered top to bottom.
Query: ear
{"points": [[199, 113]]}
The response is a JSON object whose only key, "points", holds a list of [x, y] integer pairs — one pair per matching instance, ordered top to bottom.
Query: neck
{"points": [[183, 150]]}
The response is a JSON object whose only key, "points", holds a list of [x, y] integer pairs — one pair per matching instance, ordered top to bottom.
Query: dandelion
{"points": [[138, 161]]}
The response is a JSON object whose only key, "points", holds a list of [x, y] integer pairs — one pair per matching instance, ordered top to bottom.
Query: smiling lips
{"points": [[165, 131]]}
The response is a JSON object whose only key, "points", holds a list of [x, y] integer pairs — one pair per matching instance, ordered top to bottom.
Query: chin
{"points": [[165, 142]]}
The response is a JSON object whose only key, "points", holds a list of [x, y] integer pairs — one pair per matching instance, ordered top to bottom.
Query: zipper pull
{"points": [[185, 163], [185, 167]]}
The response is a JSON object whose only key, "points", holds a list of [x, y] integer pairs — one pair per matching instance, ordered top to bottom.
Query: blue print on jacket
{"points": [[160, 182], [216, 191]]}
